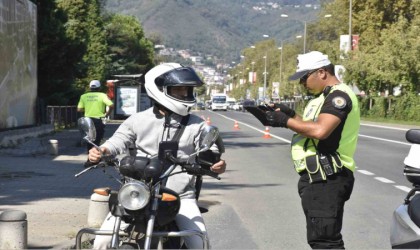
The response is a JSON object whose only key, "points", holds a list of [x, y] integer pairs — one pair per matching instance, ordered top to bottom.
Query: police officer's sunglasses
{"points": [[304, 78]]}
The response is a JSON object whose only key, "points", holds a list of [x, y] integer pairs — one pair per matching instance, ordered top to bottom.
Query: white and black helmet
{"points": [[161, 78]]}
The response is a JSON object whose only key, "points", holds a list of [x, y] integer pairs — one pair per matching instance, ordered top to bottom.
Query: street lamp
{"points": [[305, 29], [350, 38], [281, 48], [281, 59], [243, 70], [265, 75], [252, 77]]}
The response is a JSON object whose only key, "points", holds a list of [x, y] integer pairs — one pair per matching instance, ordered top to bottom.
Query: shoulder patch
{"points": [[339, 102]]}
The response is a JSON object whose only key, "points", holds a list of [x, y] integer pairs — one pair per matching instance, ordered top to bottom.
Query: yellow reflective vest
{"points": [[94, 104], [303, 147]]}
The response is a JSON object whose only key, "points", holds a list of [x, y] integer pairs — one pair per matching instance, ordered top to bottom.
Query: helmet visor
{"points": [[184, 76], [181, 93]]}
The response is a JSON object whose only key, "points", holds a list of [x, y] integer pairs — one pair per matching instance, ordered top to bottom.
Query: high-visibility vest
{"points": [[94, 104], [303, 147]]}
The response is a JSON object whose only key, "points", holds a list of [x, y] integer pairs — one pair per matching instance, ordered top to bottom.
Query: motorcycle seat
{"points": [[414, 210]]}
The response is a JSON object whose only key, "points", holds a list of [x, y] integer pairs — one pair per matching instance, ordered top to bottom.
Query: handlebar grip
{"points": [[200, 171]]}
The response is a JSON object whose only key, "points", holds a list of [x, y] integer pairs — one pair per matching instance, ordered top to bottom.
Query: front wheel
{"points": [[128, 246]]}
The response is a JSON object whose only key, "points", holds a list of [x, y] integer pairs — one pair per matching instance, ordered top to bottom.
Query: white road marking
{"points": [[381, 126], [382, 139], [365, 172], [384, 180], [403, 188]]}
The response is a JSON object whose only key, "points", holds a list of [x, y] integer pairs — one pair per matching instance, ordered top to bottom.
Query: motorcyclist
{"points": [[170, 86]]}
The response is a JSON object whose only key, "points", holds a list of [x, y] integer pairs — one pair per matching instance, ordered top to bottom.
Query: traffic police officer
{"points": [[94, 104], [323, 147]]}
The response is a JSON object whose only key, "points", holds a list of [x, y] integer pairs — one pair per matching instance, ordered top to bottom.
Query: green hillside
{"points": [[217, 27]]}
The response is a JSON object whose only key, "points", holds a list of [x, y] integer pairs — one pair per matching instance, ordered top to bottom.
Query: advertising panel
{"points": [[252, 77], [275, 93], [126, 102]]}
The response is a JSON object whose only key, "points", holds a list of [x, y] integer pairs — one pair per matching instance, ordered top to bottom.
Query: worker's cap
{"points": [[308, 62], [94, 84]]}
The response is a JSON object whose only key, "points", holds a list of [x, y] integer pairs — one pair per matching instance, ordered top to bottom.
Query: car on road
{"points": [[248, 103], [200, 106], [237, 106]]}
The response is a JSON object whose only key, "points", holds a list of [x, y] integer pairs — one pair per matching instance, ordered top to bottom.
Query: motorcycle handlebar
{"points": [[106, 160], [193, 169], [197, 170]]}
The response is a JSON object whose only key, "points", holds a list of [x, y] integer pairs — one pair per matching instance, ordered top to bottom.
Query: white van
{"points": [[219, 102]]}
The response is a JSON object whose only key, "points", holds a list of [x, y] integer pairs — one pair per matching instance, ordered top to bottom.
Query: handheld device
{"points": [[325, 164]]}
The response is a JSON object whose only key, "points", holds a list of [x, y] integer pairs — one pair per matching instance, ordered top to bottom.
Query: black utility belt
{"points": [[321, 166]]}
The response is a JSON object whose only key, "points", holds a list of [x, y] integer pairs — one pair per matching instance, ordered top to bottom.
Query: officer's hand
{"points": [[285, 109], [277, 119], [219, 167]]}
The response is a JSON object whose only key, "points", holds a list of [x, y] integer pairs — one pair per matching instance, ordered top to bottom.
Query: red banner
{"points": [[354, 42]]}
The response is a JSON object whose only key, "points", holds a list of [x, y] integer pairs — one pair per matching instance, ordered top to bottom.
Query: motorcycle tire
{"points": [[128, 246]]}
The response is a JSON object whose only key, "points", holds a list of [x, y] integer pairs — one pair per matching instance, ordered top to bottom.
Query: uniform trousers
{"points": [[100, 131], [323, 205]]}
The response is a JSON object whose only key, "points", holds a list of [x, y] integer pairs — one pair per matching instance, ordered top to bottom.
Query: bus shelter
{"points": [[128, 94]]}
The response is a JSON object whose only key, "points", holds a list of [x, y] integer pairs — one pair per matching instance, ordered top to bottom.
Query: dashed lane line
{"points": [[365, 172], [384, 180], [403, 188]]}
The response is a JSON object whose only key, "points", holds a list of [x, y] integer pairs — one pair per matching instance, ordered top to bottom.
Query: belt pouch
{"points": [[336, 162], [315, 172]]}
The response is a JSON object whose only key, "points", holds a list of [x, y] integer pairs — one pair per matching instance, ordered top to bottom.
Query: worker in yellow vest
{"points": [[93, 104], [323, 147]]}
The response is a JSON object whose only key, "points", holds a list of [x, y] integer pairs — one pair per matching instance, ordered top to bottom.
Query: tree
{"points": [[85, 31], [388, 47], [129, 50], [57, 55]]}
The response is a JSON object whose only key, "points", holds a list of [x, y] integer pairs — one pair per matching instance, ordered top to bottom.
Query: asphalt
{"points": [[43, 186]]}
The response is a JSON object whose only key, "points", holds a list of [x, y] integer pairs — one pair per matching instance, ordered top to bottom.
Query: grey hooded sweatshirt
{"points": [[146, 130]]}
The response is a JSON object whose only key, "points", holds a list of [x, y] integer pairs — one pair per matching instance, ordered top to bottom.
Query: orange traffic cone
{"points": [[208, 120], [236, 126], [267, 133]]}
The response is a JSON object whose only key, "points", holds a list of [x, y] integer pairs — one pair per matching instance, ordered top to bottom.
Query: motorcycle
{"points": [[143, 201], [405, 226]]}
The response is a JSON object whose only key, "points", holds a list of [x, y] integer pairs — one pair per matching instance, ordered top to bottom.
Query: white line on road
{"points": [[381, 126], [381, 139], [365, 172], [384, 180], [403, 188]]}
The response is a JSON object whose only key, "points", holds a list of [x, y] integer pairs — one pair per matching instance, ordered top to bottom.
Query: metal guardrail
{"points": [[62, 116]]}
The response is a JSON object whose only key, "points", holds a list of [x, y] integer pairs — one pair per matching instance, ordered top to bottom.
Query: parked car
{"points": [[248, 103], [230, 105], [200, 106], [237, 106]]}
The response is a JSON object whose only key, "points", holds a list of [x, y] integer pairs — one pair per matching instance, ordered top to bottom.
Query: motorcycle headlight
{"points": [[134, 195]]}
